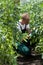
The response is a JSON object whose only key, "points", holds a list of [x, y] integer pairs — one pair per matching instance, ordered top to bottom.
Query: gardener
{"points": [[23, 26]]}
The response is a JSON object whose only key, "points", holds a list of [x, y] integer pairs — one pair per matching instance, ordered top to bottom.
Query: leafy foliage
{"points": [[35, 11], [9, 16]]}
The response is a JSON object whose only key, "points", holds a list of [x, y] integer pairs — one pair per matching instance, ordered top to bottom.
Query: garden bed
{"points": [[31, 60]]}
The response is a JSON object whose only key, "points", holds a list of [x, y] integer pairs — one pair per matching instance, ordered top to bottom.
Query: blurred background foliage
{"points": [[10, 11], [9, 15]]}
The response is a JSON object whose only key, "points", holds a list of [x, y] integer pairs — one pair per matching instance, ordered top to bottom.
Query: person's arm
{"points": [[18, 27], [28, 29]]}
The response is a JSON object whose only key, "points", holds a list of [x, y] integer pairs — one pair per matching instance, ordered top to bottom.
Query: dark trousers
{"points": [[21, 45], [24, 48]]}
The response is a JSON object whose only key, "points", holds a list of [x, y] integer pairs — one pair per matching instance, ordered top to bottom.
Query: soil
{"points": [[30, 60]]}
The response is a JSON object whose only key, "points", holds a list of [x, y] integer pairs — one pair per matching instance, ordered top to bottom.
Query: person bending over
{"points": [[23, 25]]}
